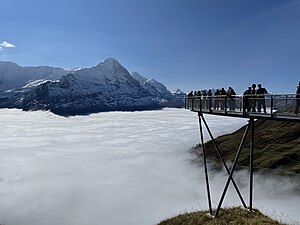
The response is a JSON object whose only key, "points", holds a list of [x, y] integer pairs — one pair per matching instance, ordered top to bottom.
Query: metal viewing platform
{"points": [[270, 106], [280, 107]]}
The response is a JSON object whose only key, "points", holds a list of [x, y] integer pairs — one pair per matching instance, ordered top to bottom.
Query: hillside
{"points": [[277, 146], [234, 216]]}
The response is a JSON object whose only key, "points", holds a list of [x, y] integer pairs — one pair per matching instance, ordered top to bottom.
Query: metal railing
{"points": [[278, 106]]}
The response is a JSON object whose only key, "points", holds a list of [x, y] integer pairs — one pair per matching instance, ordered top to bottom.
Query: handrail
{"points": [[206, 96]]}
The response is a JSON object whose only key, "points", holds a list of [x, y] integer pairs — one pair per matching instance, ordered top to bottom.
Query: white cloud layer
{"points": [[6, 44], [116, 168]]}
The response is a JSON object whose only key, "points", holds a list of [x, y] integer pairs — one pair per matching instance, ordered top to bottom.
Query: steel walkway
{"points": [[269, 107], [276, 107]]}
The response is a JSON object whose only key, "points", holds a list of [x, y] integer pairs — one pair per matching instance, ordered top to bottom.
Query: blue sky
{"points": [[187, 44]]}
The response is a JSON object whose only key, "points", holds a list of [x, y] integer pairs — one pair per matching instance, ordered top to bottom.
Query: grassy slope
{"points": [[277, 146], [233, 216]]}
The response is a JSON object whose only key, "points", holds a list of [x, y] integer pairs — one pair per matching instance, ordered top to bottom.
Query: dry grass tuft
{"points": [[232, 216]]}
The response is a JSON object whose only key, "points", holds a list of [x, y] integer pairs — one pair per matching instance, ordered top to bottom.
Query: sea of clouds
{"points": [[117, 168]]}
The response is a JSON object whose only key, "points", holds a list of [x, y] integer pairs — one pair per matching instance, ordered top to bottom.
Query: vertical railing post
{"points": [[193, 99], [200, 103], [272, 104], [225, 105], [244, 105], [205, 165]]}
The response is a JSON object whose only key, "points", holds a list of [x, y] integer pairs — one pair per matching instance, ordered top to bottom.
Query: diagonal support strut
{"points": [[223, 161], [233, 167]]}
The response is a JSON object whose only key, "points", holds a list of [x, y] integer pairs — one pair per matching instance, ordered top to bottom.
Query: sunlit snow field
{"points": [[116, 168]]}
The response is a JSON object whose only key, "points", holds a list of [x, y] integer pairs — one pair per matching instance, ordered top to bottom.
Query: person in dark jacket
{"points": [[209, 93], [190, 94], [223, 94], [231, 95], [209, 98], [253, 98], [261, 98], [297, 99], [217, 101], [189, 102], [246, 102]]}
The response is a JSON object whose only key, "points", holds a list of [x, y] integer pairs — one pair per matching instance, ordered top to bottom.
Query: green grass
{"points": [[277, 146], [232, 216]]}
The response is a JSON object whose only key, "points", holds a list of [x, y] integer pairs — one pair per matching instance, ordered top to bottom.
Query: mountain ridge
{"points": [[108, 86]]}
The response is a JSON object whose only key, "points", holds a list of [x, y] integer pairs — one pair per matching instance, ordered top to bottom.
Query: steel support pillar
{"points": [[251, 163], [205, 165]]}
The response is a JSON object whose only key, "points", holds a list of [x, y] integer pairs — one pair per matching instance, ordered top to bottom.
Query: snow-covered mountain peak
{"points": [[111, 61], [111, 64], [110, 67], [110, 72], [178, 91]]}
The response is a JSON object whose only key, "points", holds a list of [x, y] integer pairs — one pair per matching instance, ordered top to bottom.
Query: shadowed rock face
{"points": [[105, 87]]}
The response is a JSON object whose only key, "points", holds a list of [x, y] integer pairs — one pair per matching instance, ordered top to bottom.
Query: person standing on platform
{"points": [[217, 93], [223, 94], [231, 94], [209, 97], [253, 98], [261, 98], [297, 99], [246, 100], [189, 102]]}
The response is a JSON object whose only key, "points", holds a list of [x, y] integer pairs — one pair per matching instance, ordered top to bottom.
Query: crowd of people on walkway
{"points": [[254, 98]]}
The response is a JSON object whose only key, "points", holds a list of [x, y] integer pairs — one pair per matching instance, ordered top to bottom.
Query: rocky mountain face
{"points": [[105, 87]]}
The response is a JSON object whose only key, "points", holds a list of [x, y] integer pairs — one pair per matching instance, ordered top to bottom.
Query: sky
{"points": [[194, 44], [108, 168]]}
